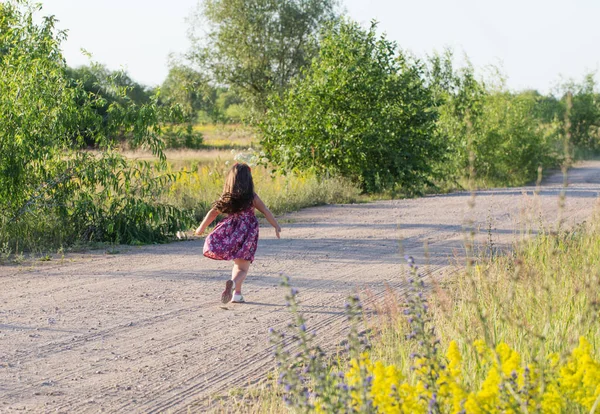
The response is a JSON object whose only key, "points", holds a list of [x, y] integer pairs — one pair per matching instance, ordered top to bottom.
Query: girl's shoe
{"points": [[228, 292], [238, 298]]}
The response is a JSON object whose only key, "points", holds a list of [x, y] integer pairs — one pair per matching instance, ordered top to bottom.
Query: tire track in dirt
{"points": [[142, 330]]}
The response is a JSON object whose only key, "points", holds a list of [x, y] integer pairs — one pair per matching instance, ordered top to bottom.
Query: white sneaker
{"points": [[237, 298]]}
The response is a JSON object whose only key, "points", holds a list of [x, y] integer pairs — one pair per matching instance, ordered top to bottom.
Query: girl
{"points": [[236, 237]]}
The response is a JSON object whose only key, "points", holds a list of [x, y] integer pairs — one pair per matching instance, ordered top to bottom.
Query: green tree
{"points": [[257, 46], [101, 81], [108, 88], [190, 90], [230, 106], [548, 108], [362, 110], [585, 113], [495, 132], [52, 190]]}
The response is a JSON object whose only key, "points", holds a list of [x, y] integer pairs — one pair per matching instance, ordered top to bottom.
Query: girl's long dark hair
{"points": [[238, 191]]}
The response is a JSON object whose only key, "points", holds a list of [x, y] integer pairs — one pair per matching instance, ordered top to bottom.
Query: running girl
{"points": [[236, 237]]}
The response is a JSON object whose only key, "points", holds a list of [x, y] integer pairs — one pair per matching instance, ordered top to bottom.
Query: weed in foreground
{"points": [[310, 381], [436, 381]]}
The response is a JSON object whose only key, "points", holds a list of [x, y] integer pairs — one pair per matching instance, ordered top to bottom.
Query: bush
{"points": [[361, 111], [585, 114], [494, 133], [179, 136]]}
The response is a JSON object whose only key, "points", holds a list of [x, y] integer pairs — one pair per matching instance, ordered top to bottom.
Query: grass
{"points": [[227, 136], [221, 142], [185, 158], [199, 185], [540, 300], [260, 399]]}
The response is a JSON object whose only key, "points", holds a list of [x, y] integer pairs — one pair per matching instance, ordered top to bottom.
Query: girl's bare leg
{"points": [[239, 273]]}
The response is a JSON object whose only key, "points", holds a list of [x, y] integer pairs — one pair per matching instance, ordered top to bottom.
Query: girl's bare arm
{"points": [[260, 206], [210, 217]]}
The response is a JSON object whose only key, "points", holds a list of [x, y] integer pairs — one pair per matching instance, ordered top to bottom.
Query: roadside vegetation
{"points": [[516, 333]]}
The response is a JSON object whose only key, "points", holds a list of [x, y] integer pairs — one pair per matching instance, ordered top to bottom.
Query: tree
{"points": [[257, 46], [101, 81], [109, 88], [190, 89], [548, 109], [361, 110], [585, 113], [52, 190]]}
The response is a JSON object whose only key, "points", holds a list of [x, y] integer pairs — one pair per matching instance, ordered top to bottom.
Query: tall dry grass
{"points": [[199, 185], [540, 299]]}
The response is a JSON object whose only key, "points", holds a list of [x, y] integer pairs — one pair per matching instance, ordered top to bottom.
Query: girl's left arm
{"points": [[260, 206], [210, 217]]}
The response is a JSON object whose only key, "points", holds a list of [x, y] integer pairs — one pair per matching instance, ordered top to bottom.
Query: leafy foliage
{"points": [[257, 46], [100, 81], [107, 88], [189, 89], [361, 111], [585, 113], [495, 132], [53, 191]]}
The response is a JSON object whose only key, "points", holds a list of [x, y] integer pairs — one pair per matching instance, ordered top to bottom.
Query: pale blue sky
{"points": [[536, 42]]}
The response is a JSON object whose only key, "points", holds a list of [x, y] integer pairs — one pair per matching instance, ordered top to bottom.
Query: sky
{"points": [[535, 43]]}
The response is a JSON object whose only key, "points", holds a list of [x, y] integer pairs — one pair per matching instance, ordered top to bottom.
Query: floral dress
{"points": [[236, 237]]}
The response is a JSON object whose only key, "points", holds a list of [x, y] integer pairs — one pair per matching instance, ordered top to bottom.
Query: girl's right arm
{"points": [[260, 206], [210, 217]]}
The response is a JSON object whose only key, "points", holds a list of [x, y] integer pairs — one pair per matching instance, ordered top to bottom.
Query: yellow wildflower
{"points": [[482, 349], [454, 360], [510, 361], [580, 376], [386, 381], [576, 383], [451, 392], [486, 399], [552, 400]]}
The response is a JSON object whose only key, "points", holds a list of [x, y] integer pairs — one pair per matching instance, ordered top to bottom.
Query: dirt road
{"points": [[143, 330]]}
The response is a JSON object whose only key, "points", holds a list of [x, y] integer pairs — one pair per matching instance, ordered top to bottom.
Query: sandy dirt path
{"points": [[143, 330]]}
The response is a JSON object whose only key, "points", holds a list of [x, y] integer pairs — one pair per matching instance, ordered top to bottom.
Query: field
{"points": [[221, 143], [202, 171], [141, 328]]}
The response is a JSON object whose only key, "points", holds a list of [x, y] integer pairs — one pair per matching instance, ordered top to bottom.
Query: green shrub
{"points": [[361, 111], [584, 114], [496, 133], [182, 136]]}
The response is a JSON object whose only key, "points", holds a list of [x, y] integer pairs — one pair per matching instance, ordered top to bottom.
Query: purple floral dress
{"points": [[236, 237]]}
